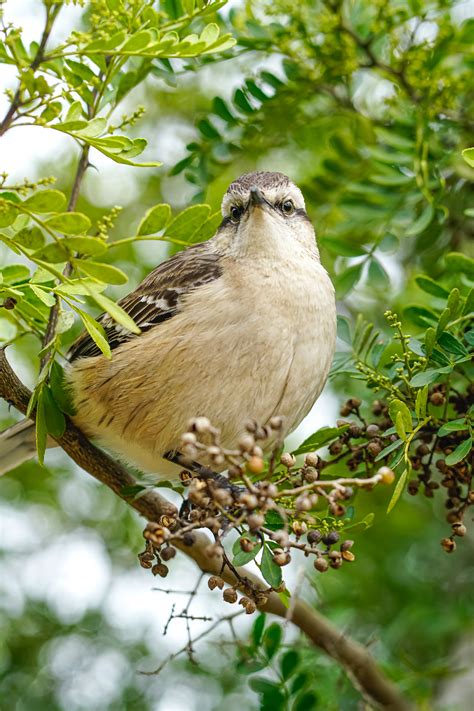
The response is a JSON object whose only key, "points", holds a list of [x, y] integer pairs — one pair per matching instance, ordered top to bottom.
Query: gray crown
{"points": [[260, 179]]}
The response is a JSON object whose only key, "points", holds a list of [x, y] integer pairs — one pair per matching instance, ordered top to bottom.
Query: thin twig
{"points": [[51, 15], [220, 621]]}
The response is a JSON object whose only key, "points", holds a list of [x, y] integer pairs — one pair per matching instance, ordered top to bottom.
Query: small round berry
{"points": [[372, 430], [311, 459], [288, 460], [255, 465], [387, 475], [314, 537], [330, 538], [448, 544], [168, 553], [321, 564], [230, 595]]}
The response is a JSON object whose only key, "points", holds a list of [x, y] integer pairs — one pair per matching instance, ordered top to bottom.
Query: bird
{"points": [[240, 327]]}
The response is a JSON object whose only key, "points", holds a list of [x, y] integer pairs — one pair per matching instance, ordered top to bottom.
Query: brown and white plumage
{"points": [[239, 327]]}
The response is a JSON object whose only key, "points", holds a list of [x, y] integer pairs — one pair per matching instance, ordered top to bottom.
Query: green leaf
{"points": [[209, 34], [223, 43], [81, 70], [255, 91], [241, 102], [220, 108], [74, 112], [93, 128], [208, 129], [122, 151], [468, 155], [45, 201], [8, 213], [155, 219], [188, 221], [422, 222], [70, 223], [207, 229], [30, 237], [389, 244], [337, 245], [93, 246], [54, 253], [455, 262], [103, 272], [15, 273], [377, 275], [346, 281], [82, 286], [431, 287], [45, 296], [454, 300], [469, 305], [116, 311], [420, 316], [65, 321], [443, 321], [8, 329], [344, 329], [95, 331], [469, 337], [430, 340], [452, 344], [416, 347], [428, 376], [59, 387], [421, 402], [400, 416], [54, 418], [400, 426], [453, 426], [41, 429], [320, 438], [389, 449], [460, 453], [398, 490], [132, 492], [274, 520], [270, 570], [285, 597], [257, 629], [272, 639], [289, 663], [299, 682], [263, 686], [308, 700]]}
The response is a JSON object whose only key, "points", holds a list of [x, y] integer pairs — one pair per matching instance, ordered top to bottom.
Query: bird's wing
{"points": [[157, 298]]}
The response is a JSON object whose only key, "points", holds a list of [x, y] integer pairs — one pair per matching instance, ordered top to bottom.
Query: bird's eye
{"points": [[288, 207], [235, 213]]}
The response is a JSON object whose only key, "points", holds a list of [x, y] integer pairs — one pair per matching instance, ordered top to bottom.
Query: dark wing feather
{"points": [[157, 298]]}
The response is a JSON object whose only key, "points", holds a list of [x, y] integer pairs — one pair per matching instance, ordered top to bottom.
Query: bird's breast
{"points": [[254, 343]]}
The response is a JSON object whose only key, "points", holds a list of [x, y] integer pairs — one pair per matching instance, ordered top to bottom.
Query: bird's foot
{"points": [[219, 482]]}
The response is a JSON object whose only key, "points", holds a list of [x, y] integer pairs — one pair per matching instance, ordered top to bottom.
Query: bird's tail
{"points": [[17, 445]]}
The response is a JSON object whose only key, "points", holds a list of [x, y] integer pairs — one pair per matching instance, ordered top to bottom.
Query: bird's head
{"points": [[264, 213]]}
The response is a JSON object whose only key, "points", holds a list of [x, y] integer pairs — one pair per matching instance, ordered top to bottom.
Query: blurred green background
{"points": [[367, 106]]}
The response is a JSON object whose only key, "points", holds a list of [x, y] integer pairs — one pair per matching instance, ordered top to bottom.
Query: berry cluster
{"points": [[275, 509]]}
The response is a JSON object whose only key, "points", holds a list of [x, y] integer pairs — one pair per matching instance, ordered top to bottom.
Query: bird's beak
{"points": [[256, 198]]}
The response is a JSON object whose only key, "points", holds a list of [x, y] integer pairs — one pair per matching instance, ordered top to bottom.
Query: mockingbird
{"points": [[239, 327]]}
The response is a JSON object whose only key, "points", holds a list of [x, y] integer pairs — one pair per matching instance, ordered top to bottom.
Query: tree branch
{"points": [[352, 656]]}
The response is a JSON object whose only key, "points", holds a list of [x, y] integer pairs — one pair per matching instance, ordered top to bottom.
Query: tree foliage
{"points": [[367, 106]]}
